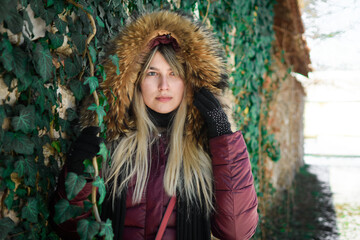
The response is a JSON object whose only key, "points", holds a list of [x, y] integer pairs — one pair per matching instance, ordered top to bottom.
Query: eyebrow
{"points": [[157, 69]]}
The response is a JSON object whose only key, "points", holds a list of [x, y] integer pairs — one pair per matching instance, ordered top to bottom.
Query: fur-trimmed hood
{"points": [[199, 50]]}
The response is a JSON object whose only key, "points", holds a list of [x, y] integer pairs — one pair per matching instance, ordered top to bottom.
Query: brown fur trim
{"points": [[199, 50]]}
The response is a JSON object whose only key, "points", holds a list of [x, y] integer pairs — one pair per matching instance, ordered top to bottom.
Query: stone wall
{"points": [[286, 122]]}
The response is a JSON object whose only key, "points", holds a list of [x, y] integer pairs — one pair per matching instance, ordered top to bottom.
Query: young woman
{"points": [[168, 135]]}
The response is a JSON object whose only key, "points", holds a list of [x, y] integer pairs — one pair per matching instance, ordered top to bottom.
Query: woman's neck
{"points": [[162, 120]]}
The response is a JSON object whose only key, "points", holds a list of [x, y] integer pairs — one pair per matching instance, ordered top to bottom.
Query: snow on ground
{"points": [[332, 141], [343, 176]]}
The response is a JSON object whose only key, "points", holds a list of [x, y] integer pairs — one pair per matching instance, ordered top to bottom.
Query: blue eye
{"points": [[151, 74]]}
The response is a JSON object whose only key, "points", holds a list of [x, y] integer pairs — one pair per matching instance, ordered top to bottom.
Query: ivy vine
{"points": [[39, 69]]}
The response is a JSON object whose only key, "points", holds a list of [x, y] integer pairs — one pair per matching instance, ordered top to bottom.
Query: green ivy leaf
{"points": [[50, 3], [37, 6], [59, 6], [5, 8], [89, 9], [48, 15], [14, 21], [99, 21], [70, 24], [60, 25], [56, 39], [79, 41], [92, 52], [7, 57], [115, 61], [20, 62], [43, 62], [71, 68], [100, 70], [62, 75], [8, 77], [25, 82], [92, 82], [38, 85], [78, 89], [51, 95], [40, 100], [99, 111], [2, 114], [26, 120], [41, 120], [65, 125], [2, 133], [18, 142], [56, 145], [103, 151], [8, 163], [20, 167], [88, 167], [30, 171], [99, 182], [9, 184], [74, 184], [21, 192], [9, 200], [87, 206], [43, 209], [30, 211], [64, 211], [6, 226], [87, 229], [106, 230], [33, 232], [52, 236]]}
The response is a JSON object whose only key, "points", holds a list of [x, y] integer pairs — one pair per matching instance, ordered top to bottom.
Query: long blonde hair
{"points": [[188, 169]]}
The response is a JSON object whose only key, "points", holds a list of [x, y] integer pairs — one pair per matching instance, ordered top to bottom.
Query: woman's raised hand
{"points": [[214, 116], [86, 146]]}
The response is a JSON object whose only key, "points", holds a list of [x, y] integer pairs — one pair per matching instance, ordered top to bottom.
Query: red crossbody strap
{"points": [[165, 219]]}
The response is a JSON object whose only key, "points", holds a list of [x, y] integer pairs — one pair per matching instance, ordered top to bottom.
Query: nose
{"points": [[163, 84]]}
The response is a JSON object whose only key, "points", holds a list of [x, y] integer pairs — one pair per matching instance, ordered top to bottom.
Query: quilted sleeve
{"points": [[236, 203]]}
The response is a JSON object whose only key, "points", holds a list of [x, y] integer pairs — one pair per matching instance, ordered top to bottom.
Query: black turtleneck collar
{"points": [[162, 120]]}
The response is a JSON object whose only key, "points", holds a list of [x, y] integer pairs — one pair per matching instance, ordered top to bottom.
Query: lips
{"points": [[163, 98]]}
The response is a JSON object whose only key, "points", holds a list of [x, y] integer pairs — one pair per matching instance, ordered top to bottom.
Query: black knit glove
{"points": [[215, 117], [86, 146]]}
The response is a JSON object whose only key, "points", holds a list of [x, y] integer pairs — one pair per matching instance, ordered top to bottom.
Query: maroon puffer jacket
{"points": [[236, 202], [142, 220]]}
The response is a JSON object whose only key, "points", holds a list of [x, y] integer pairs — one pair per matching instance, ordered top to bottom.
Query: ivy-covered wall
{"points": [[40, 68]]}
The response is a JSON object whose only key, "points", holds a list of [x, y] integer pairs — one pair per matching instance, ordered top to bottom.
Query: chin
{"points": [[163, 110]]}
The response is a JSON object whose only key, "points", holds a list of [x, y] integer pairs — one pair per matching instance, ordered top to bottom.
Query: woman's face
{"points": [[161, 89]]}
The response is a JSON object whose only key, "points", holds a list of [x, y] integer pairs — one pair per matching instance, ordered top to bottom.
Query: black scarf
{"points": [[161, 120]]}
